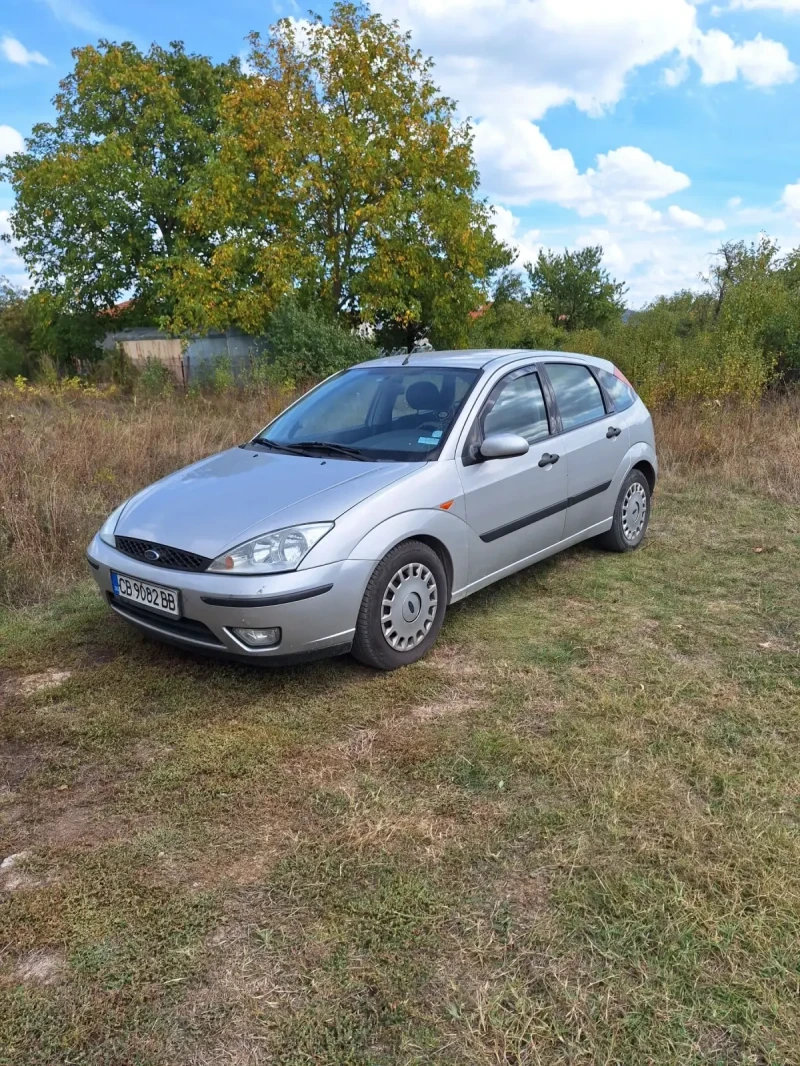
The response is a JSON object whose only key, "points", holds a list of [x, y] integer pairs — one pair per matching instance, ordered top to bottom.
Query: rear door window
{"points": [[577, 394]]}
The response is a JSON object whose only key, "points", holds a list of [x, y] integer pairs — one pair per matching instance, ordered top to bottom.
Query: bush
{"points": [[513, 324], [305, 346], [154, 380]]}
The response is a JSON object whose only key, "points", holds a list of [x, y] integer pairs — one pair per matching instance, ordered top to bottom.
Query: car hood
{"points": [[219, 502]]}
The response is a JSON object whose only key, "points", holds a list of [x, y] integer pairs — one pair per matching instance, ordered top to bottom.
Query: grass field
{"points": [[569, 836]]}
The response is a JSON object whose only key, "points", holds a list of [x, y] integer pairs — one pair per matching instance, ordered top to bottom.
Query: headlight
{"points": [[107, 529], [272, 553]]}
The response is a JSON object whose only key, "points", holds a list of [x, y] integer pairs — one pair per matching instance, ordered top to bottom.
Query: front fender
{"points": [[446, 528]]}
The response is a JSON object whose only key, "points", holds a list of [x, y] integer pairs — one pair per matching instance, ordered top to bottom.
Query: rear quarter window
{"points": [[620, 392]]}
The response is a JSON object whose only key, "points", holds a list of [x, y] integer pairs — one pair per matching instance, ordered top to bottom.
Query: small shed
{"points": [[187, 356]]}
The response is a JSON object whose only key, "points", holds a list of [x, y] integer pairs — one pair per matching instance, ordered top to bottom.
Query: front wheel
{"points": [[631, 515], [403, 607]]}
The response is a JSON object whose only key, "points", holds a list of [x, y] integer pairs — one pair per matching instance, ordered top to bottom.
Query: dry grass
{"points": [[757, 447], [65, 465]]}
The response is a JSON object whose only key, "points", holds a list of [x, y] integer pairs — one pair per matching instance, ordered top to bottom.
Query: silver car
{"points": [[384, 494]]}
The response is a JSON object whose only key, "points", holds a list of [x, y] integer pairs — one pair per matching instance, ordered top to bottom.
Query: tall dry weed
{"points": [[65, 465]]}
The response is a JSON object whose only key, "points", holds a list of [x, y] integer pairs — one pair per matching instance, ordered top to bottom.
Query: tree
{"points": [[344, 165], [101, 193], [575, 289], [16, 328]]}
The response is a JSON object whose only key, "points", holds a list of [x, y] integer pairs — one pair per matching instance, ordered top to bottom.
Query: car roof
{"points": [[481, 358]]}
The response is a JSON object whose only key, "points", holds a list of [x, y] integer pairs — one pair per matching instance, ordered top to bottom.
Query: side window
{"points": [[577, 393], [621, 393], [517, 406]]}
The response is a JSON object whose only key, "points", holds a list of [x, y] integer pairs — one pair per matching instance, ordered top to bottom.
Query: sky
{"points": [[656, 128]]}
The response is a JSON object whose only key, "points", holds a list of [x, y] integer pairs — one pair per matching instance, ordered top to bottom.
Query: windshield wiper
{"points": [[265, 442], [304, 446], [327, 446]]}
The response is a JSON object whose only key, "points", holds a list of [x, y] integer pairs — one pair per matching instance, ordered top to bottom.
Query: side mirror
{"points": [[503, 446]]}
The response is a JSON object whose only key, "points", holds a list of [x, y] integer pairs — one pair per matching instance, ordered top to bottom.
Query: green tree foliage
{"points": [[344, 175], [101, 193], [575, 290], [509, 320], [16, 330]]}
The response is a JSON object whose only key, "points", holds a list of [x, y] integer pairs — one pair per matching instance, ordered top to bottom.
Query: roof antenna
{"points": [[423, 345]]}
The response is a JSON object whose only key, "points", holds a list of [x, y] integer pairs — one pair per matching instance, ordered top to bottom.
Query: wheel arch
{"points": [[648, 470], [444, 533], [444, 556]]}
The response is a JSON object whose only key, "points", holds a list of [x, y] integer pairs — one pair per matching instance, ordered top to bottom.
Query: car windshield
{"points": [[396, 413]]}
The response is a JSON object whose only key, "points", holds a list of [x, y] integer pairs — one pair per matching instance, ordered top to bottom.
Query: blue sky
{"points": [[657, 128]]}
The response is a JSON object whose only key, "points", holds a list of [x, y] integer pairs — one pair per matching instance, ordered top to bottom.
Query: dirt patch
{"points": [[455, 664], [32, 684], [432, 712], [358, 746], [16, 762], [14, 875], [40, 968]]}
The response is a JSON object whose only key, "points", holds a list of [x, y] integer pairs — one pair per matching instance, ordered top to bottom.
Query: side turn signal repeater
{"points": [[446, 505]]}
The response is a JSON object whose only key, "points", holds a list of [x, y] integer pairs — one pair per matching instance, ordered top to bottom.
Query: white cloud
{"points": [[790, 6], [74, 13], [16, 52], [522, 57], [761, 62], [673, 76], [10, 141], [519, 166], [630, 174], [791, 200], [734, 202], [689, 220], [525, 243], [663, 260], [11, 266]]}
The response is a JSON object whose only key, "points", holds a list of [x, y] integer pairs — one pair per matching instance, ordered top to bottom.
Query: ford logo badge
{"points": [[151, 555]]}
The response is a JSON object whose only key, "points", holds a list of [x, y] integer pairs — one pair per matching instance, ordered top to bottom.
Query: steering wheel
{"points": [[428, 427]]}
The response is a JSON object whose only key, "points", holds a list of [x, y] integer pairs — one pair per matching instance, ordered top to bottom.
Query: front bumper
{"points": [[316, 609]]}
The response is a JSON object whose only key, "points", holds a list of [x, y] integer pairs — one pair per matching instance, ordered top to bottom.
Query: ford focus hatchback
{"points": [[383, 495]]}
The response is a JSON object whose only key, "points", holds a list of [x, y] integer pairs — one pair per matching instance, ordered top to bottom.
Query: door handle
{"points": [[612, 431], [548, 460]]}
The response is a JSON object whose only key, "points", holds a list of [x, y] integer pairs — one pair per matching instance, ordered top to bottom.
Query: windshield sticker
{"points": [[437, 433], [427, 440]]}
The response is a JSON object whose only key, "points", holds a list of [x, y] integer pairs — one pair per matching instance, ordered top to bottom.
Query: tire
{"points": [[629, 525], [403, 607]]}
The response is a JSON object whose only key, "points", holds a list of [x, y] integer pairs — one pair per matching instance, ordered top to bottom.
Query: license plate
{"points": [[156, 597]]}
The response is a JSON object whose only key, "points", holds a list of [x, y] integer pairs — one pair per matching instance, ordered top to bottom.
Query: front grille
{"points": [[168, 558], [181, 627]]}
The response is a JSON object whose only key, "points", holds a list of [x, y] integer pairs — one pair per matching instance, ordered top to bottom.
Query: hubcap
{"points": [[634, 511], [408, 607]]}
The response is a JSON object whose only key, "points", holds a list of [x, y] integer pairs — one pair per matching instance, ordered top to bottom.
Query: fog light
{"points": [[259, 638]]}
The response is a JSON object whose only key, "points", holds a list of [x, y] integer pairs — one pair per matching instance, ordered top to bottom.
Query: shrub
{"points": [[513, 324], [305, 346], [154, 380]]}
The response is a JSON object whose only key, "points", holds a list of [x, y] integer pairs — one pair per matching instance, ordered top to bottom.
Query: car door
{"points": [[593, 439], [514, 505]]}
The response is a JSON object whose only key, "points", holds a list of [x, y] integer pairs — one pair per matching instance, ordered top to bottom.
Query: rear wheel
{"points": [[631, 515], [403, 607]]}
